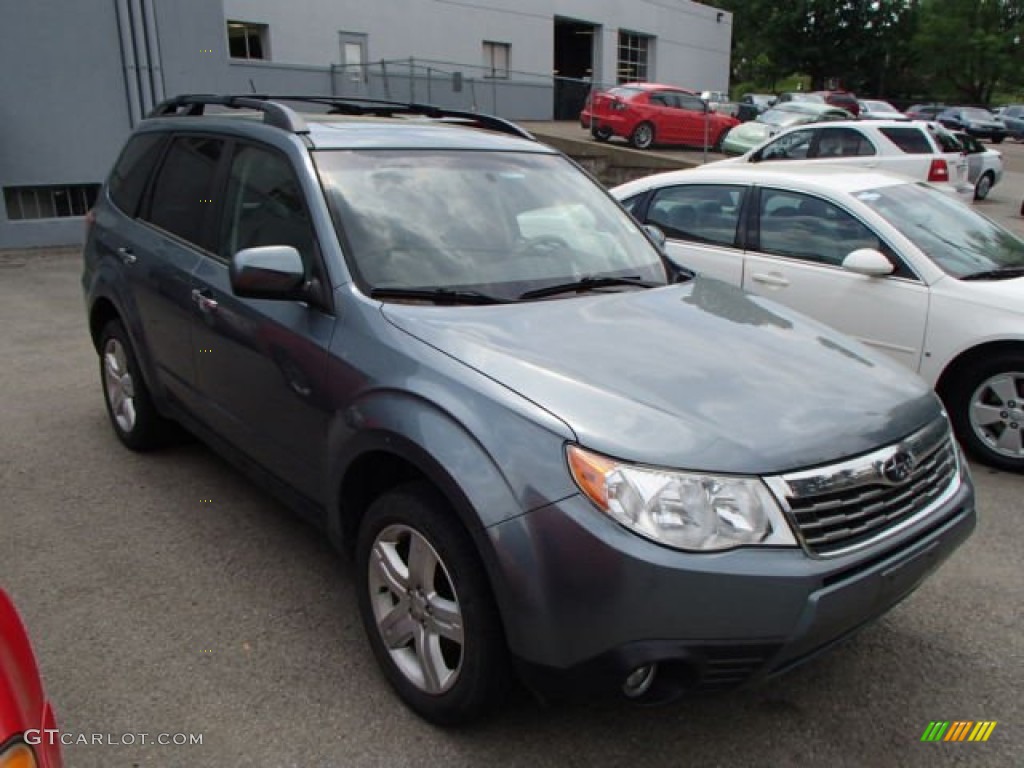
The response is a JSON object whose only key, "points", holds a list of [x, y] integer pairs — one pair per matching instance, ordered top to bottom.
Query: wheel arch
{"points": [[102, 312], [955, 367], [377, 461]]}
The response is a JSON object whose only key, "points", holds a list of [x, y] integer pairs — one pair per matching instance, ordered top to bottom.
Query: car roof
{"points": [[656, 87], [334, 122], [346, 132], [813, 178]]}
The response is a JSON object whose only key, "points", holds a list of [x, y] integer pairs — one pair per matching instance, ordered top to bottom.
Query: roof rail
{"points": [[274, 114], [284, 117]]}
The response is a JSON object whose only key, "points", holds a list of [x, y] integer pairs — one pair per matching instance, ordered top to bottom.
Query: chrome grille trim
{"points": [[845, 507]]}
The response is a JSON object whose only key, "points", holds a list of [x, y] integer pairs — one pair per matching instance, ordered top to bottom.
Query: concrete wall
{"points": [[692, 47], [72, 89]]}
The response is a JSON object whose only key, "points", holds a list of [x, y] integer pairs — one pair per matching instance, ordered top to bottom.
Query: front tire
{"points": [[602, 134], [642, 136], [983, 186], [986, 405], [136, 421], [427, 608]]}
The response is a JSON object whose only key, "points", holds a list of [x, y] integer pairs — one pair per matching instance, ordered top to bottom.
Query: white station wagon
{"points": [[920, 150], [897, 264]]}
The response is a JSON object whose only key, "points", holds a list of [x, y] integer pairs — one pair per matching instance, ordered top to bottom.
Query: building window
{"points": [[247, 41], [634, 50], [496, 56], [49, 202]]}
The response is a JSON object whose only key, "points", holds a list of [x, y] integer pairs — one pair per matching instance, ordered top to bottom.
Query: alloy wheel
{"points": [[118, 385], [996, 413], [416, 609]]}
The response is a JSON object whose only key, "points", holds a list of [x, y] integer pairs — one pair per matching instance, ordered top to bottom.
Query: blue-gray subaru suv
{"points": [[551, 453]]}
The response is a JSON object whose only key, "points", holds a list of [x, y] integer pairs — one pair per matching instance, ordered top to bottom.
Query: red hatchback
{"points": [[648, 114], [25, 712]]}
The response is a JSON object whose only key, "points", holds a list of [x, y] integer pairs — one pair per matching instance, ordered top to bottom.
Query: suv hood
{"points": [[697, 376]]}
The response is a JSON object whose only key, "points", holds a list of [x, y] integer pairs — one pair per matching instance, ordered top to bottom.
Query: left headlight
{"points": [[684, 510]]}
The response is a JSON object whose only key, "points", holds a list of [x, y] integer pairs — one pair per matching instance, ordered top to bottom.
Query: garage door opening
{"points": [[574, 66]]}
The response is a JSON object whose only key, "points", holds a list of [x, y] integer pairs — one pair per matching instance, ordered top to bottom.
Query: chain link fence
{"points": [[513, 94]]}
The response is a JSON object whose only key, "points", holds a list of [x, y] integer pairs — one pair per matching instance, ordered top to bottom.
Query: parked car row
{"points": [[646, 114]]}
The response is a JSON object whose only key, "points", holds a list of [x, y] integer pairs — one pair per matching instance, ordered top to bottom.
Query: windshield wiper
{"points": [[1001, 273], [588, 283], [438, 295]]}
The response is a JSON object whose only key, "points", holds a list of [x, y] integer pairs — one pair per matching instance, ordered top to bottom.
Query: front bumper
{"points": [[996, 134], [585, 602]]}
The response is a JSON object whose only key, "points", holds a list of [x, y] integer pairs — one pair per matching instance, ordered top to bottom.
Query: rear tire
{"points": [[642, 136], [999, 140], [983, 186], [986, 405], [135, 419], [427, 607]]}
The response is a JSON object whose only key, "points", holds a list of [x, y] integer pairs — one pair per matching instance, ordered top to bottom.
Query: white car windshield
{"points": [[782, 117], [497, 223], [961, 241]]}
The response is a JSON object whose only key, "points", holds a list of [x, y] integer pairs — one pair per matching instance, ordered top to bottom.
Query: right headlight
{"points": [[684, 510]]}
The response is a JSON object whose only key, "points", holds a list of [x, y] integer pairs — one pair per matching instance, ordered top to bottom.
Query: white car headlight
{"points": [[683, 510]]}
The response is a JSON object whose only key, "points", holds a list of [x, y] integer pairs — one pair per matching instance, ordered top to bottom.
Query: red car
{"points": [[842, 99], [649, 113], [25, 712]]}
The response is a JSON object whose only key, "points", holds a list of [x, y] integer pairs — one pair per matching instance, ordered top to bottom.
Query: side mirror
{"points": [[757, 157], [656, 235], [868, 261], [268, 272]]}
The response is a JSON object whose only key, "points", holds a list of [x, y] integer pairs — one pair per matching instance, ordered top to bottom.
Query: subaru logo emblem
{"points": [[898, 468]]}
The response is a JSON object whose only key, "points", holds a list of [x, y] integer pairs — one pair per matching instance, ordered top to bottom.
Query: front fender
{"points": [[492, 470]]}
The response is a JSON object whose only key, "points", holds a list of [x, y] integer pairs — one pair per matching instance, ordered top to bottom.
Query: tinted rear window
{"points": [[625, 93], [910, 140], [128, 179], [184, 186]]}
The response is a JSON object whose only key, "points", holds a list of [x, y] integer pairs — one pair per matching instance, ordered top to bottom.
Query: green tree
{"points": [[857, 42], [969, 48]]}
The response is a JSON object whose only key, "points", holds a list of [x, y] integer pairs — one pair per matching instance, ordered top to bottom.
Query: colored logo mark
{"points": [[958, 730]]}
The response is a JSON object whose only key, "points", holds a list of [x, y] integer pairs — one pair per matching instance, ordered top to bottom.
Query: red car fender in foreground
{"points": [[23, 703]]}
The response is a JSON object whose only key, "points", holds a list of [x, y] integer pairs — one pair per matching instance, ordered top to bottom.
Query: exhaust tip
{"points": [[639, 681]]}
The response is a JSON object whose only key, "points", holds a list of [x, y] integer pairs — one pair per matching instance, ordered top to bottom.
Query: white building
{"points": [[79, 76]]}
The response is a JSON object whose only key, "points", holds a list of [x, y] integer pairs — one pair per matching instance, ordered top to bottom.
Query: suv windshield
{"points": [[498, 223], [961, 241]]}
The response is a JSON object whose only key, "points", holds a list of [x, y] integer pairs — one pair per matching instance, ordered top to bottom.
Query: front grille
{"points": [[843, 507]]}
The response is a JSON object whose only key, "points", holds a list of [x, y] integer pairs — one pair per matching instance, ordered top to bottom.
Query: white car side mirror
{"points": [[868, 261]]}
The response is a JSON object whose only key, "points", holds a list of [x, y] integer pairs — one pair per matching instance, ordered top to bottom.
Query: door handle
{"points": [[125, 254], [761, 277], [204, 302]]}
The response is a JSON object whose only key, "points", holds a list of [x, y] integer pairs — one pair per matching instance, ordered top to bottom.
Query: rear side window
{"points": [[692, 103], [912, 141], [947, 141], [842, 142], [128, 179], [184, 186], [701, 213]]}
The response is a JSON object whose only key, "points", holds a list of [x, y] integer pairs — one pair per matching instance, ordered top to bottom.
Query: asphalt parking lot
{"points": [[165, 594]]}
